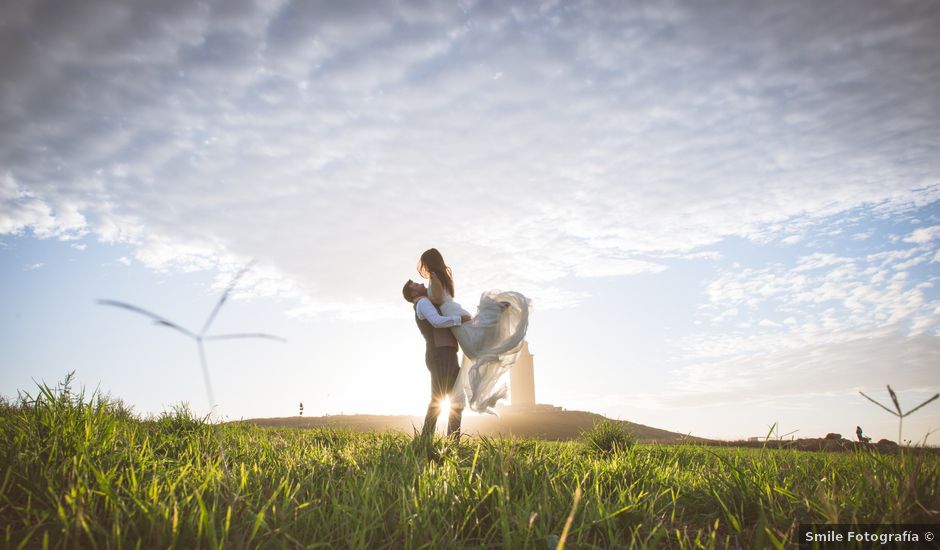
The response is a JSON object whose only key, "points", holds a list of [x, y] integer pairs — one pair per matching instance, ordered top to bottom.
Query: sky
{"points": [[726, 214]]}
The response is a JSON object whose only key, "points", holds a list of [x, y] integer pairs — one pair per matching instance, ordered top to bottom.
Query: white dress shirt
{"points": [[427, 312]]}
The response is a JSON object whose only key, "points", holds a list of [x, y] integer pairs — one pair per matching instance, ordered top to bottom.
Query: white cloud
{"points": [[335, 141], [21, 210], [923, 235], [608, 267], [818, 301], [860, 360]]}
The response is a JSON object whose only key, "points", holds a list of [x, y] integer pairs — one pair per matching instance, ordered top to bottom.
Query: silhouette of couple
{"points": [[490, 341]]}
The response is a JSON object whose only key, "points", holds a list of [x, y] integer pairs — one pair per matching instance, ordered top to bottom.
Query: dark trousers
{"points": [[442, 363]]}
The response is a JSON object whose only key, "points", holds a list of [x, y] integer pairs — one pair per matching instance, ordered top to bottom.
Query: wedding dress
{"points": [[491, 342]]}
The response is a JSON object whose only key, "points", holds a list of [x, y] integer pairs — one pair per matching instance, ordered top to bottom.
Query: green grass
{"points": [[607, 437], [77, 472]]}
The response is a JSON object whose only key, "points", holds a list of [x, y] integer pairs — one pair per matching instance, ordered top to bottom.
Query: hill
{"points": [[557, 425]]}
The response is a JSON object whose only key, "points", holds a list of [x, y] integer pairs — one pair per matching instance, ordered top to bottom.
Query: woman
{"points": [[490, 342]]}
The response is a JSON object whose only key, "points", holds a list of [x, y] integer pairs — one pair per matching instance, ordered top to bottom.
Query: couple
{"points": [[490, 341]]}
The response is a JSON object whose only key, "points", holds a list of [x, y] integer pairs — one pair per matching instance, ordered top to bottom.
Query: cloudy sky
{"points": [[726, 214]]}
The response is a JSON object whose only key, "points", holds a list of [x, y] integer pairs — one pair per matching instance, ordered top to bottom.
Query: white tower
{"points": [[522, 379]]}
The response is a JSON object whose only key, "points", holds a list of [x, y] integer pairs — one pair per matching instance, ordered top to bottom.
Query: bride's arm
{"points": [[436, 290]]}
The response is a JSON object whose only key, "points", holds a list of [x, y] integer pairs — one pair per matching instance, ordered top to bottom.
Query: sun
{"points": [[445, 409]]}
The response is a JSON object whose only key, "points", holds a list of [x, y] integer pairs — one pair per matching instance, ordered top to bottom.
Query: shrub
{"points": [[180, 421], [607, 437]]}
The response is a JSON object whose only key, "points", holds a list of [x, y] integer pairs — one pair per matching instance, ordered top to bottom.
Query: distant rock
{"points": [[834, 436]]}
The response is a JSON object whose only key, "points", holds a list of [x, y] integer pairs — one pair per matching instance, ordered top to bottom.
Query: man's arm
{"points": [[426, 310]]}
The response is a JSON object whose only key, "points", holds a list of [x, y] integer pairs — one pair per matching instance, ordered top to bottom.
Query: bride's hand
{"points": [[465, 318]]}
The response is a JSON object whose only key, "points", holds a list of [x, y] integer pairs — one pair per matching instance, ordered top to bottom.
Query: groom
{"points": [[440, 355]]}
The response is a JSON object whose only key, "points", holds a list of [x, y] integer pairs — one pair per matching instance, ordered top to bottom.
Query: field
{"points": [[555, 425], [85, 472]]}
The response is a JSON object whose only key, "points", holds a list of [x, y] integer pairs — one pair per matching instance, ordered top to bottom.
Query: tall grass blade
{"points": [[224, 297], [156, 318], [244, 335], [205, 375], [894, 399], [877, 403], [915, 409], [570, 519]]}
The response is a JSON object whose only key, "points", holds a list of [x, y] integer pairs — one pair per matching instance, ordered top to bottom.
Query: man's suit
{"points": [[440, 356]]}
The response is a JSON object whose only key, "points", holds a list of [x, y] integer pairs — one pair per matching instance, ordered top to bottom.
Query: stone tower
{"points": [[522, 379]]}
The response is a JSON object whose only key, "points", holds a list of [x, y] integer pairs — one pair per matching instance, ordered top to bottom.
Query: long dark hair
{"points": [[432, 262]]}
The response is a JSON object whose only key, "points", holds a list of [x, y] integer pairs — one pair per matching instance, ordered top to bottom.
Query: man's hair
{"points": [[406, 291]]}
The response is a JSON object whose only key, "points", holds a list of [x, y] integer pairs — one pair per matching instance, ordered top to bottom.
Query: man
{"points": [[440, 355], [861, 436]]}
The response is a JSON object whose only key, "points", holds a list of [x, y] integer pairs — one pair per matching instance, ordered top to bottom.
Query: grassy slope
{"points": [[550, 425], [79, 474]]}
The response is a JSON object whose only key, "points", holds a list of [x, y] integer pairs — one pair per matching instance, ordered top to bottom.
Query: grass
{"points": [[607, 437], [79, 472]]}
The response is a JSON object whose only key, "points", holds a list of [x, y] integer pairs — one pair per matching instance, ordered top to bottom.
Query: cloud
{"points": [[334, 141], [21, 210], [923, 235], [608, 267], [823, 298], [817, 323], [858, 361]]}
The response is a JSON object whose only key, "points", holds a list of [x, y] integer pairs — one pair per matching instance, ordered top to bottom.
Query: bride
{"points": [[490, 342]]}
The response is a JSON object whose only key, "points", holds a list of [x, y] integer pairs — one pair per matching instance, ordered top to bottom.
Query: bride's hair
{"points": [[432, 262]]}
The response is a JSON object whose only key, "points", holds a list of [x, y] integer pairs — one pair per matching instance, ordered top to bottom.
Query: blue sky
{"points": [[726, 215]]}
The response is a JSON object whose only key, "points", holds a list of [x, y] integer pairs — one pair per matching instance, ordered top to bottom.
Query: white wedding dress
{"points": [[490, 343]]}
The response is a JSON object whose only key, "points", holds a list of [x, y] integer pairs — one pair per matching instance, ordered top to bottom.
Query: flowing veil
{"points": [[490, 344]]}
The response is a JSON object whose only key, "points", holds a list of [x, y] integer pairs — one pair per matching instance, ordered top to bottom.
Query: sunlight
{"points": [[445, 409]]}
